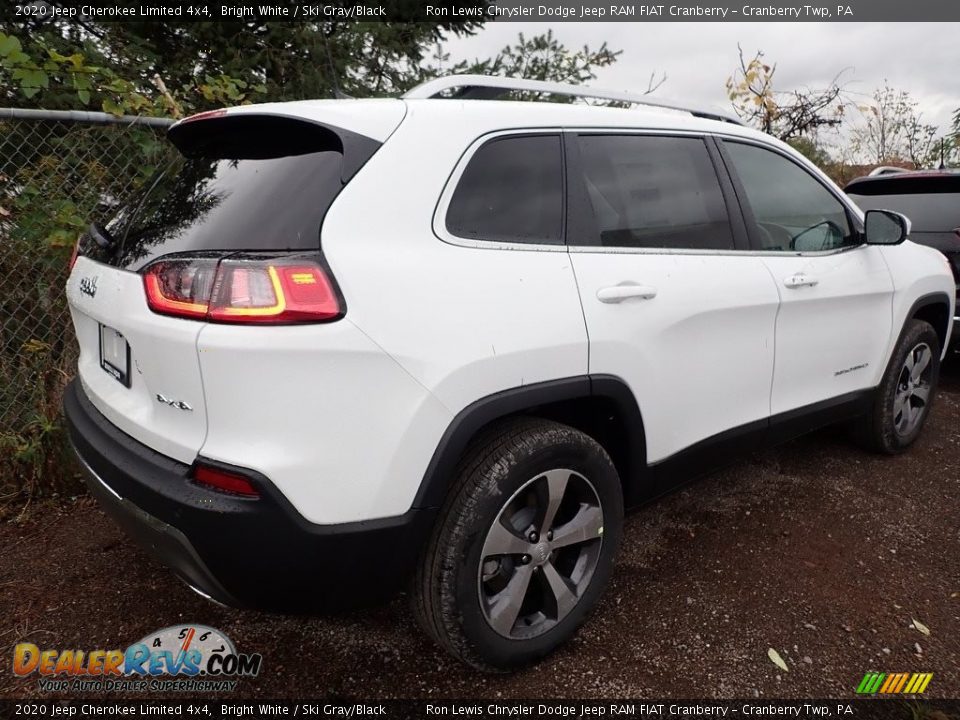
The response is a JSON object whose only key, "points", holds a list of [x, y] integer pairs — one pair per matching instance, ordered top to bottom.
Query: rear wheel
{"points": [[906, 392], [524, 546]]}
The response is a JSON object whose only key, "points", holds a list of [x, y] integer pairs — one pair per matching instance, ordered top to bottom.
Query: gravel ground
{"points": [[816, 549]]}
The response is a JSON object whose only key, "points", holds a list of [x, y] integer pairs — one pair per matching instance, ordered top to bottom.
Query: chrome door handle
{"points": [[800, 280], [619, 293]]}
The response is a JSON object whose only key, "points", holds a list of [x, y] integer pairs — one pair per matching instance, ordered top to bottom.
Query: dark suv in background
{"points": [[931, 199]]}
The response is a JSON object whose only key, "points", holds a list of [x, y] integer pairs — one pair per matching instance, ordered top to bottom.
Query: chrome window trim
{"points": [[440, 212], [439, 222]]}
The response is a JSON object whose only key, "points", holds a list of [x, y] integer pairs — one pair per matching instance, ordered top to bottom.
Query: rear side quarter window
{"points": [[511, 191]]}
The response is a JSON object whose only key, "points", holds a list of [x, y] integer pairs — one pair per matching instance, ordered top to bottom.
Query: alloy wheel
{"points": [[912, 396], [540, 554]]}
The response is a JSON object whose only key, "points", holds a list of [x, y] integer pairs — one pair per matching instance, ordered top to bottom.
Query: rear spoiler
{"points": [[256, 136]]}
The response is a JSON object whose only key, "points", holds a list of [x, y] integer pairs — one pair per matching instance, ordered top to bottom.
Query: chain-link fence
{"points": [[58, 172]]}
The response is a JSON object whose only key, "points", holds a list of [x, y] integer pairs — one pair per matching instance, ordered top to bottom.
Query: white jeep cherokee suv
{"points": [[344, 346]]}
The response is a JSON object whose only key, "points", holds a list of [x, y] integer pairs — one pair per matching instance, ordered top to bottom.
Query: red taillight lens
{"points": [[277, 291], [224, 481]]}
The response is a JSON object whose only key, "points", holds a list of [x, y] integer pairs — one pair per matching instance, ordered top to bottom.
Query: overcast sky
{"points": [[697, 58]]}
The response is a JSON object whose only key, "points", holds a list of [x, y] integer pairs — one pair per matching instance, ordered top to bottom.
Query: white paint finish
{"points": [[917, 270], [465, 321], [841, 322], [699, 355], [163, 359], [324, 413], [344, 417]]}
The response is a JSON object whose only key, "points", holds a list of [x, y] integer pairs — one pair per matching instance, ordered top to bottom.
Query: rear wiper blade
{"points": [[102, 237]]}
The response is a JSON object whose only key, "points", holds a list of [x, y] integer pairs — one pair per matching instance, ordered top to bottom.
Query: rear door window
{"points": [[511, 191], [654, 192]]}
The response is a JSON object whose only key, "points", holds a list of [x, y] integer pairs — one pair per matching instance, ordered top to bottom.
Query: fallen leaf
{"points": [[921, 627], [777, 660]]}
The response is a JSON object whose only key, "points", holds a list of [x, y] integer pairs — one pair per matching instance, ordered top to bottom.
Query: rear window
{"points": [[263, 185], [511, 191], [935, 212]]}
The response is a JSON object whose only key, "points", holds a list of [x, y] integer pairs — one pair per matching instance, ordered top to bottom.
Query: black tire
{"points": [[884, 429], [498, 480]]}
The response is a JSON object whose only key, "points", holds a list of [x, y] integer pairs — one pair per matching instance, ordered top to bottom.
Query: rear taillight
{"points": [[181, 287], [242, 290], [224, 481]]}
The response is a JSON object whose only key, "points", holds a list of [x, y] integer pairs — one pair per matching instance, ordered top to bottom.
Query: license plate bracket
{"points": [[115, 354]]}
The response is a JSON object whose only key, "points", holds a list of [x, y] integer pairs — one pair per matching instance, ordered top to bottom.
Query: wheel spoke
{"points": [[909, 363], [920, 364], [922, 393], [898, 406], [556, 487], [586, 525], [503, 541], [562, 592], [506, 607]]}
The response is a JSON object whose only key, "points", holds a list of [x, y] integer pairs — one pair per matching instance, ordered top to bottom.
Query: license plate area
{"points": [[115, 355]]}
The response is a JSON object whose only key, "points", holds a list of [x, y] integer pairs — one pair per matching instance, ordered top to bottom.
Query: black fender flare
{"points": [[440, 472]]}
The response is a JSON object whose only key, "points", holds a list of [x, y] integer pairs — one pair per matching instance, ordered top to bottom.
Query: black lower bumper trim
{"points": [[240, 552]]}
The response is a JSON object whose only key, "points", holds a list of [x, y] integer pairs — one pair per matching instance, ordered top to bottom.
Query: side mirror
{"points": [[885, 227]]}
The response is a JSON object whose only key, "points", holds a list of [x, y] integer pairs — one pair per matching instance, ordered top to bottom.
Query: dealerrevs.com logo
{"points": [[189, 658]]}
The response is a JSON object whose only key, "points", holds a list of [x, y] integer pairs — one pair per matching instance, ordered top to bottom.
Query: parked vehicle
{"points": [[931, 199], [345, 345]]}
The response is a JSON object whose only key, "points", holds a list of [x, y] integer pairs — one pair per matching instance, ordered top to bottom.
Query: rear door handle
{"points": [[800, 280], [619, 293]]}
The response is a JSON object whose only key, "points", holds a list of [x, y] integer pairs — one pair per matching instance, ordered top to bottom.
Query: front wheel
{"points": [[906, 392], [523, 547]]}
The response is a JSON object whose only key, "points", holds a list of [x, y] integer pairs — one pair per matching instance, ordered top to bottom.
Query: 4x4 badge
{"points": [[88, 286], [179, 404]]}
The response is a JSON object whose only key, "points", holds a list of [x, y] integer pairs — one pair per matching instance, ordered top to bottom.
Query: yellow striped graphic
{"points": [[875, 683]]}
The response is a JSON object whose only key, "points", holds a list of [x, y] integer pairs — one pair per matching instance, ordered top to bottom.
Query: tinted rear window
{"points": [[511, 191], [253, 193], [937, 212]]}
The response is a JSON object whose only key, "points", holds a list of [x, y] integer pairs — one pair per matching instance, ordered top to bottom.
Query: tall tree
{"points": [[541, 57], [280, 61]]}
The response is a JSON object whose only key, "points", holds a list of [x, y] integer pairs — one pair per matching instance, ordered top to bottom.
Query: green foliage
{"points": [[542, 57], [53, 78], [813, 151]]}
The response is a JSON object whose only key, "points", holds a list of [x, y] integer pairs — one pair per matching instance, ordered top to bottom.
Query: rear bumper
{"points": [[239, 551]]}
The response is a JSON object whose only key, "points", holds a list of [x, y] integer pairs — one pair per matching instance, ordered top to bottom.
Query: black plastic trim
{"points": [[936, 298], [727, 447], [441, 469], [641, 482], [240, 551]]}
